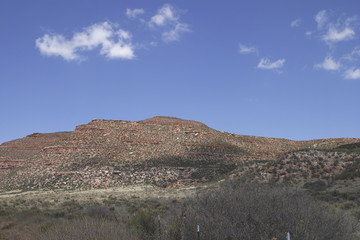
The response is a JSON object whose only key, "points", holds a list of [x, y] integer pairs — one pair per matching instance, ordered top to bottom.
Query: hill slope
{"points": [[159, 150]]}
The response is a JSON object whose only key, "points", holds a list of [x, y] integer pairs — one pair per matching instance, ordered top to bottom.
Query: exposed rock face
{"points": [[160, 150], [14, 153]]}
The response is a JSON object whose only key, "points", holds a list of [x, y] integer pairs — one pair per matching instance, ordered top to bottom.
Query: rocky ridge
{"points": [[162, 150]]}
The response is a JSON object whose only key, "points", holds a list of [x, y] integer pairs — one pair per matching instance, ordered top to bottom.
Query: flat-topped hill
{"points": [[160, 150]]}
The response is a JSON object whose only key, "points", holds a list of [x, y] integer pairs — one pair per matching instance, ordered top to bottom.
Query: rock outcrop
{"points": [[159, 150]]}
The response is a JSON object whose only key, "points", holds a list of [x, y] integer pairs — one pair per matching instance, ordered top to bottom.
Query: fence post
{"points": [[159, 227], [198, 232], [288, 236]]}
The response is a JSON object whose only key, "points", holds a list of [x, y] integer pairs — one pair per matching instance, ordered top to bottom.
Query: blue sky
{"points": [[279, 68]]}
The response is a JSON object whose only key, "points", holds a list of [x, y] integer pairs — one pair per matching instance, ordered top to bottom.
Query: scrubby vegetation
{"points": [[163, 151], [234, 210], [254, 211]]}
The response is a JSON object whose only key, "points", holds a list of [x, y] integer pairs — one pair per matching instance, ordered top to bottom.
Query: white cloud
{"points": [[133, 13], [165, 15], [321, 18], [168, 20], [295, 23], [335, 31], [308, 33], [174, 34], [336, 35], [113, 43], [56, 45], [247, 49], [353, 56], [265, 63], [328, 64], [352, 74]]}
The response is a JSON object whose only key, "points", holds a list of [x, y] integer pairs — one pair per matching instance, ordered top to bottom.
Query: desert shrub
{"points": [[352, 147], [351, 170], [315, 186], [347, 205], [233, 211], [255, 211], [3, 212], [99, 212], [144, 222], [8, 226], [88, 229], [174, 230]]}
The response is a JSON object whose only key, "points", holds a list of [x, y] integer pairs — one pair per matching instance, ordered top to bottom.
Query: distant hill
{"points": [[164, 151]]}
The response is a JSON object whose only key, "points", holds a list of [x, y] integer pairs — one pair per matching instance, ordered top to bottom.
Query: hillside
{"points": [[163, 151]]}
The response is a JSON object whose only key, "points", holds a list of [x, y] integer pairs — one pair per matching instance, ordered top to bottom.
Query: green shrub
{"points": [[315, 186], [99, 212], [144, 222]]}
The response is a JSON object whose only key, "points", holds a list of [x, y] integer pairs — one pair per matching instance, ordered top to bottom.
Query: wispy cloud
{"points": [[134, 13], [165, 15], [321, 18], [168, 19], [296, 23], [333, 31], [174, 34], [336, 35], [113, 43], [247, 49], [353, 56], [265, 63], [328, 64], [352, 73]]}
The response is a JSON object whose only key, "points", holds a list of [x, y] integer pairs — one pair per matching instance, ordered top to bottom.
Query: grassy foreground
{"points": [[232, 210]]}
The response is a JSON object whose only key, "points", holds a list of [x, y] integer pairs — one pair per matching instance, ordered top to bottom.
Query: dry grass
{"points": [[224, 211]]}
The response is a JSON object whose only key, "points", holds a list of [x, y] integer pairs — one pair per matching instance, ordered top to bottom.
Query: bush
{"points": [[315, 186], [233, 211], [254, 211], [99, 212], [144, 222]]}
